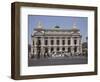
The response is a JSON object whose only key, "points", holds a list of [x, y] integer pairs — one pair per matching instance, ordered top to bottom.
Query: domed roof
{"points": [[39, 25], [74, 27]]}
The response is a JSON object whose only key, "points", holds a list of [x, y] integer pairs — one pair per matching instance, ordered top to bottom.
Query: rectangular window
{"points": [[57, 41], [38, 42], [46, 42], [52, 42], [63, 42], [69, 42], [75, 42], [33, 43], [57, 48], [52, 49], [63, 49], [69, 49], [75, 49], [46, 50]]}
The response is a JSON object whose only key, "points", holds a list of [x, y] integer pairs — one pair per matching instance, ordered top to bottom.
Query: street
{"points": [[58, 61]]}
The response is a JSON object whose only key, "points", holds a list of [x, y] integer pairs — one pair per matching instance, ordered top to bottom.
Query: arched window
{"points": [[57, 41], [39, 42], [46, 42], [52, 42], [63, 42], [69, 42], [75, 42], [33, 43], [57, 48], [52, 49], [63, 49], [69, 49], [75, 49], [46, 50]]}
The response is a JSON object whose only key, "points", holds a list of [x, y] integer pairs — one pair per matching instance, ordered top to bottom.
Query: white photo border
{"points": [[25, 70]]}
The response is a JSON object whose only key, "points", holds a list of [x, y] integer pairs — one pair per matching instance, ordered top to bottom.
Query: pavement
{"points": [[58, 61]]}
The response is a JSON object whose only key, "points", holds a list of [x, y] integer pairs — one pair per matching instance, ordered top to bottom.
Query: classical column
{"points": [[60, 39], [35, 41], [42, 41], [54, 41], [66, 41], [72, 41], [78, 41], [49, 43], [55, 44], [60, 44], [66, 44], [77, 44], [42, 45], [80, 45], [32, 46], [35, 46], [72, 46], [81, 48], [55, 49], [60, 49], [66, 49], [78, 49], [32, 50], [35, 50], [49, 50], [72, 50], [42, 51], [31, 53]]}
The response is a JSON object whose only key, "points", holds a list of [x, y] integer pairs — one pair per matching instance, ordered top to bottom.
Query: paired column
{"points": [[60, 39], [66, 43], [54, 44], [35, 45], [42, 45], [79, 45], [32, 47], [72, 48], [66, 49], [35, 50]]}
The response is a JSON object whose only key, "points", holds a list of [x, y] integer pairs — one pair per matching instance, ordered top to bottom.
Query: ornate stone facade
{"points": [[56, 40]]}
